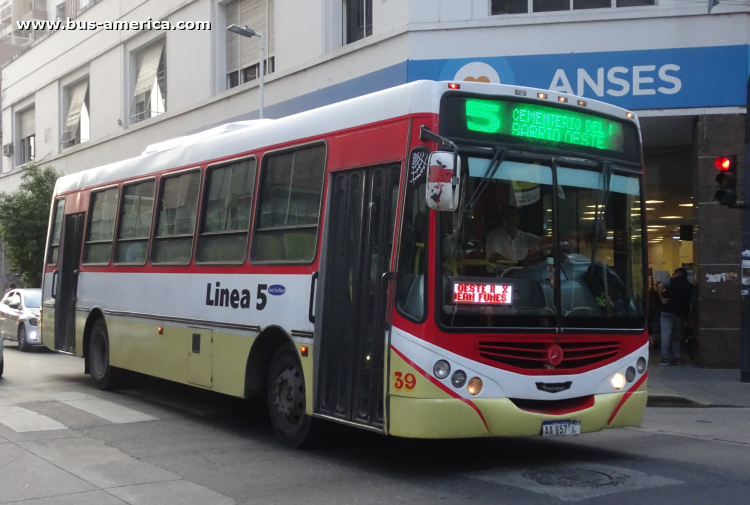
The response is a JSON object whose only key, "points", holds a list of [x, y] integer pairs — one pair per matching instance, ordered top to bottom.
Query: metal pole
{"points": [[262, 71], [745, 345]]}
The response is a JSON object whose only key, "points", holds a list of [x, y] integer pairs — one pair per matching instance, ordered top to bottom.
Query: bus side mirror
{"points": [[443, 181]]}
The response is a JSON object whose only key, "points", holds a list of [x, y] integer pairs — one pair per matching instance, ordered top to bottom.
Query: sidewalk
{"points": [[690, 386]]}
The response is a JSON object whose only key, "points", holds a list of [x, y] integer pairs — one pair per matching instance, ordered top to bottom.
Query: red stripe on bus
{"points": [[442, 386], [627, 395]]}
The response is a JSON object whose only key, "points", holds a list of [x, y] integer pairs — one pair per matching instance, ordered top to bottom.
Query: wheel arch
{"points": [[259, 360]]}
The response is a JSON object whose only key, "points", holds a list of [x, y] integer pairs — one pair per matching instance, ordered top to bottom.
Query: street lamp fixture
{"points": [[249, 33]]}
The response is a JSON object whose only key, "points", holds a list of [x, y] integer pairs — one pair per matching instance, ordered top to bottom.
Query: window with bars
{"points": [[36, 5], [526, 6], [357, 16], [243, 53], [150, 92], [76, 128], [26, 136], [102, 212]]}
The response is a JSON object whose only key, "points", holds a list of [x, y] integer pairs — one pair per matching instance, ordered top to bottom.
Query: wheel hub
{"points": [[288, 394]]}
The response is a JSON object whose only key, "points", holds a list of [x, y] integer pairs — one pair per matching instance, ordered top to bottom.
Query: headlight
{"points": [[34, 321], [640, 365], [441, 369], [630, 374], [458, 379], [618, 381]]}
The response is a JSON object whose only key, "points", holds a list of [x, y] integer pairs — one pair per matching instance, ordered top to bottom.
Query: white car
{"points": [[19, 317]]}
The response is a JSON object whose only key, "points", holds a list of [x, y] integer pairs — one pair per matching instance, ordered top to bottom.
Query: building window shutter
{"points": [[243, 52], [151, 80], [77, 100], [27, 123]]}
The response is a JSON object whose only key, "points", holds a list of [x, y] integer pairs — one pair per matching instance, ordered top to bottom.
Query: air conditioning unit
{"points": [[8, 150]]}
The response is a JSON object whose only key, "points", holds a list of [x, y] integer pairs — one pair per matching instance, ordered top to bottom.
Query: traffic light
{"points": [[727, 179]]}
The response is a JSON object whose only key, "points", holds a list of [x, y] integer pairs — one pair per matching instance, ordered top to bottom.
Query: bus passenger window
{"points": [[228, 203], [289, 210], [102, 212], [135, 223], [175, 226], [54, 240]]}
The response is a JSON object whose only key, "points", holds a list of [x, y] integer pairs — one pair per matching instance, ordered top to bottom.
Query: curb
{"points": [[661, 400]]}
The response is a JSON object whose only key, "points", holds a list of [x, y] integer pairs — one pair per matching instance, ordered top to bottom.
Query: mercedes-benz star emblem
{"points": [[554, 355]]}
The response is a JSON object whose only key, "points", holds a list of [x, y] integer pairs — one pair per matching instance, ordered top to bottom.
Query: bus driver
{"points": [[510, 243]]}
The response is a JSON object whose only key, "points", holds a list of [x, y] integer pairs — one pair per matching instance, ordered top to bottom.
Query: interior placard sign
{"points": [[482, 294]]}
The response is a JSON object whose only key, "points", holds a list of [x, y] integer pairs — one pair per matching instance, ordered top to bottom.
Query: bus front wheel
{"points": [[105, 376], [286, 398]]}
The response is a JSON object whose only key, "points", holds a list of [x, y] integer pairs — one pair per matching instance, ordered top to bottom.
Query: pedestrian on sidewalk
{"points": [[677, 305]]}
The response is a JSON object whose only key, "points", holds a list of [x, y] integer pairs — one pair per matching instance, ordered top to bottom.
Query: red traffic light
{"points": [[723, 163]]}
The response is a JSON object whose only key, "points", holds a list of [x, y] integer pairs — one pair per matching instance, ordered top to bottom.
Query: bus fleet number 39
{"points": [[401, 381]]}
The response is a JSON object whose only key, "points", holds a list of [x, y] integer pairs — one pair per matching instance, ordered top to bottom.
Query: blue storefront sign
{"points": [[650, 79]]}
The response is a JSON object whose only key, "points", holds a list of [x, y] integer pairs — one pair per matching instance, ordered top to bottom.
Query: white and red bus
{"points": [[436, 260]]}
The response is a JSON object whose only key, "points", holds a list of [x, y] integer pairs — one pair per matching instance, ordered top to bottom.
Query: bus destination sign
{"points": [[544, 123], [484, 294]]}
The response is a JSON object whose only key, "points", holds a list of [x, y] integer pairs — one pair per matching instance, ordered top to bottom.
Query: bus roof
{"points": [[239, 137]]}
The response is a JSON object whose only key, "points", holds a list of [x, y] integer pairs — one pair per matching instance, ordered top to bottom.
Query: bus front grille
{"points": [[536, 355]]}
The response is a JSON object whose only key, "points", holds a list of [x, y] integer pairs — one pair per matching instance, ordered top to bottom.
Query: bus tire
{"points": [[105, 376], [285, 392]]}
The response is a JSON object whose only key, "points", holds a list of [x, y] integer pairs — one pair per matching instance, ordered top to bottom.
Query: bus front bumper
{"points": [[500, 417]]}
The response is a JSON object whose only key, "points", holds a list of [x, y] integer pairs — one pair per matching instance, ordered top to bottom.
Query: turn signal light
{"points": [[303, 350], [475, 386]]}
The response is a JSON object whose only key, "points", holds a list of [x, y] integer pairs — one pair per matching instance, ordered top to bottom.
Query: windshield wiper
{"points": [[497, 160], [600, 211]]}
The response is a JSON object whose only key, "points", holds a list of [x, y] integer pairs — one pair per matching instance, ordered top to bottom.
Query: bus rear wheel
{"points": [[105, 376], [285, 389]]}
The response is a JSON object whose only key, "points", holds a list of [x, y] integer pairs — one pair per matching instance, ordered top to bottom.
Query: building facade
{"points": [[83, 98]]}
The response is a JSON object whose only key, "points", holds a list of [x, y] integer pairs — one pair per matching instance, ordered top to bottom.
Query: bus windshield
{"points": [[499, 260]]}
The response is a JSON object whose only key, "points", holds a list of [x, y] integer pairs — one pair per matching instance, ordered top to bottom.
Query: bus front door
{"points": [[358, 253], [67, 280]]}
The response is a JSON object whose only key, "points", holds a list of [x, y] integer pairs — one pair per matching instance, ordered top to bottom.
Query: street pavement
{"points": [[63, 442]]}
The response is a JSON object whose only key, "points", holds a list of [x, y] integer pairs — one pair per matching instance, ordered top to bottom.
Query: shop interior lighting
{"points": [[654, 201], [686, 205], [670, 217]]}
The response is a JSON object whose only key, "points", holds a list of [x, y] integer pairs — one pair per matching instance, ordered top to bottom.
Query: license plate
{"points": [[560, 428]]}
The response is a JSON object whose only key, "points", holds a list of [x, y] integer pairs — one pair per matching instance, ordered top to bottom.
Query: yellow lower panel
{"points": [[423, 418], [453, 418]]}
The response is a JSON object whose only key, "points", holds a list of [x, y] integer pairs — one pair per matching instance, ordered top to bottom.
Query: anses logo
{"points": [[276, 290]]}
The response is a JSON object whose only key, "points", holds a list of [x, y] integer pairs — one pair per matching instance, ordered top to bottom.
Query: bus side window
{"points": [[227, 206], [289, 209], [136, 211], [102, 212], [175, 220], [54, 239], [412, 264]]}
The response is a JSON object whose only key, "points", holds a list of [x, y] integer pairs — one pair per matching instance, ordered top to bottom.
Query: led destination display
{"points": [[543, 123], [564, 127], [486, 294]]}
